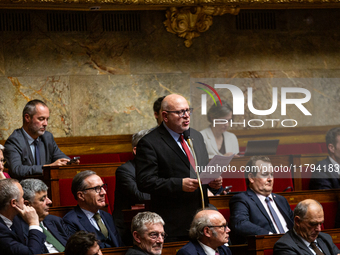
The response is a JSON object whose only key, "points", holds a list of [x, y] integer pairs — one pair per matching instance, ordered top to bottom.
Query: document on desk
{"points": [[217, 166]]}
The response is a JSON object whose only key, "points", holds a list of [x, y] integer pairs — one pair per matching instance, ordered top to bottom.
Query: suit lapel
{"points": [[168, 139], [212, 140], [25, 146], [258, 203], [285, 216], [84, 221], [54, 231], [299, 242], [323, 246], [199, 248]]}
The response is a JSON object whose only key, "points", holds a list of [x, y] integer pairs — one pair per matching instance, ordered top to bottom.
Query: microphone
{"points": [[186, 135]]}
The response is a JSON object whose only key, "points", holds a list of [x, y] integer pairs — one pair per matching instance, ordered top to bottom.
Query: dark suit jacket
{"points": [[20, 161], [160, 167], [324, 179], [126, 195], [249, 217], [76, 220], [54, 224], [13, 243], [290, 244], [193, 248], [135, 251]]}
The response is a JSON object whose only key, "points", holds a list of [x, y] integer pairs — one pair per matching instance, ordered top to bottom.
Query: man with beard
{"points": [[31, 147], [89, 191], [258, 211], [148, 234], [306, 237]]}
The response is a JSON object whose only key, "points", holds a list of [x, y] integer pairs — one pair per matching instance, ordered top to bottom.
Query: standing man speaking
{"points": [[31, 147], [163, 168]]}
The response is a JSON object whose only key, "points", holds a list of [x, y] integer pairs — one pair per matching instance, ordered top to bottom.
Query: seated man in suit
{"points": [[31, 147], [326, 175], [89, 191], [126, 192], [35, 195], [258, 211], [208, 232], [148, 234], [306, 236], [12, 241], [83, 243]]}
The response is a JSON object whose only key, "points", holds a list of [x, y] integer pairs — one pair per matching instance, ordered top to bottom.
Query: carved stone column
{"points": [[190, 22]]}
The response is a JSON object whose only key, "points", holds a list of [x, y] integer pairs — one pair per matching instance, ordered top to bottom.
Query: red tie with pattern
{"points": [[187, 151]]}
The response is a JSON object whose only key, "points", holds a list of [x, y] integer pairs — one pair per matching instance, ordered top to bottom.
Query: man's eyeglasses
{"points": [[182, 112], [3, 161], [98, 189], [224, 226], [155, 235]]}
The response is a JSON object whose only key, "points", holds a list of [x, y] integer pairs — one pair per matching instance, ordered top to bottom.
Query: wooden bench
{"points": [[52, 175], [328, 198], [264, 244], [170, 249]]}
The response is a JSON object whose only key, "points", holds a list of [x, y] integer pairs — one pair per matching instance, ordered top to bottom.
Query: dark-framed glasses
{"points": [[182, 113], [3, 161], [98, 188], [222, 226], [155, 235]]}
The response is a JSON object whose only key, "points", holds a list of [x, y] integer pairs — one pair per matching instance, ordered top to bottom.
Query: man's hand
{"points": [[59, 162], [216, 184], [189, 185], [29, 215]]}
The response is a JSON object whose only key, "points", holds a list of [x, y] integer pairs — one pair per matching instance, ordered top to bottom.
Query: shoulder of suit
{"points": [[325, 161]]}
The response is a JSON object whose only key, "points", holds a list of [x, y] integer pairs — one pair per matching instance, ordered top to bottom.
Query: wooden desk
{"points": [[170, 249]]}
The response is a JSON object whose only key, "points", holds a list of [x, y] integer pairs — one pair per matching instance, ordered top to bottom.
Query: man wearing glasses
{"points": [[163, 168], [89, 191], [208, 233], [148, 234]]}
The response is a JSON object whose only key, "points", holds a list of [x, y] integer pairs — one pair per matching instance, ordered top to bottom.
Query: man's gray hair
{"points": [[30, 108], [137, 136], [2, 147], [78, 183], [31, 187], [8, 191], [302, 208], [143, 218], [198, 224]]}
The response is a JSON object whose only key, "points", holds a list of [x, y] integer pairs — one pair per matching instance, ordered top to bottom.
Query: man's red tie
{"points": [[187, 151]]}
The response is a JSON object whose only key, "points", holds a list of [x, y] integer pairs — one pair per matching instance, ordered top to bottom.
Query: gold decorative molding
{"points": [[106, 5], [190, 22]]}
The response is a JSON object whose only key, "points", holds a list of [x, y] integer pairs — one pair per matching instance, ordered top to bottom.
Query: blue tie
{"points": [[37, 152], [275, 217]]}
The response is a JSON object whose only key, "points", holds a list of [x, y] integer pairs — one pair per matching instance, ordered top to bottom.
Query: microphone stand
{"points": [[198, 175]]}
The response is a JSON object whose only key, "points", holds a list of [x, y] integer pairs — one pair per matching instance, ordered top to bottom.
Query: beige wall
{"points": [[105, 83]]}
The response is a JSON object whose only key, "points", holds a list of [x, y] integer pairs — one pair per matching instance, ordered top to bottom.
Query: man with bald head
{"points": [[163, 168], [208, 233], [306, 237]]}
